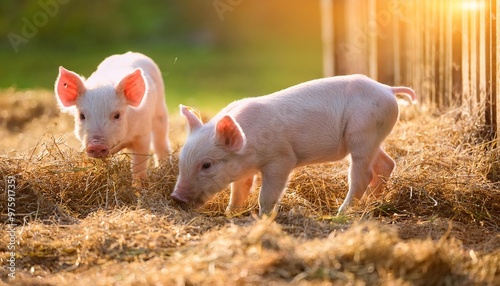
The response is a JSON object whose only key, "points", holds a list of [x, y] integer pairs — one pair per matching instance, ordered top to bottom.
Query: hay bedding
{"points": [[81, 221]]}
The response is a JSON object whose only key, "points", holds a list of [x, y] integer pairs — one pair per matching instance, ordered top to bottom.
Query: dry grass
{"points": [[82, 223]]}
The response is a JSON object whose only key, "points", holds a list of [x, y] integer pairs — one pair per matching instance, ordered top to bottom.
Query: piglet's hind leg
{"points": [[382, 169], [360, 175]]}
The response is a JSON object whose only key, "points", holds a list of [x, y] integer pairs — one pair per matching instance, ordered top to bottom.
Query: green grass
{"points": [[204, 77]]}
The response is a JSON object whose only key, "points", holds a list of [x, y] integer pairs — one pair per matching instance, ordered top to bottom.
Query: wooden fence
{"points": [[447, 50]]}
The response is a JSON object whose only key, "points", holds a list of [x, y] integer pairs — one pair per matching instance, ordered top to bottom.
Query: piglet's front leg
{"points": [[140, 156], [274, 180], [240, 191]]}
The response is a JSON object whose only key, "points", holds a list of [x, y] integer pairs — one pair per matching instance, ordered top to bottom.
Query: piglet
{"points": [[121, 105], [314, 122]]}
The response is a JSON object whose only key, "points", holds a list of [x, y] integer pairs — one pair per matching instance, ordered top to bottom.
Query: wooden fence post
{"points": [[327, 34], [447, 50], [494, 67]]}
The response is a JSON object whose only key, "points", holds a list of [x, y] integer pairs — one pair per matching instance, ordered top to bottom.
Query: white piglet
{"points": [[121, 105], [317, 121]]}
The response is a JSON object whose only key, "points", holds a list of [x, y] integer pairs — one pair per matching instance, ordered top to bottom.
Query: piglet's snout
{"points": [[97, 150], [179, 194], [178, 198]]}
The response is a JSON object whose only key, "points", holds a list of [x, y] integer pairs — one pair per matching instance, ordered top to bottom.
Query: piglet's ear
{"points": [[68, 87], [133, 87], [193, 117], [228, 133]]}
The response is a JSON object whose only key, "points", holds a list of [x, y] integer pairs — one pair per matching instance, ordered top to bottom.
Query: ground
{"points": [[81, 221]]}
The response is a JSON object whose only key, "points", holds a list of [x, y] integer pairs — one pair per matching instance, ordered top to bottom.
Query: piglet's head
{"points": [[100, 110], [208, 162]]}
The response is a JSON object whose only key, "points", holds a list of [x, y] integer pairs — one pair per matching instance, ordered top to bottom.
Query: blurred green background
{"points": [[211, 52]]}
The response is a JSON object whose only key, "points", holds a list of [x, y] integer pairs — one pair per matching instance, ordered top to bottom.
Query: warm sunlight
{"points": [[472, 5]]}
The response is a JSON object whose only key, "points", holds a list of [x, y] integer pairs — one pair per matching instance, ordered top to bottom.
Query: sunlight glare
{"points": [[472, 5]]}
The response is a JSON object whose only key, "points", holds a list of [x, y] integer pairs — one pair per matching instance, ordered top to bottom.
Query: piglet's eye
{"points": [[117, 115], [82, 116], [206, 166]]}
